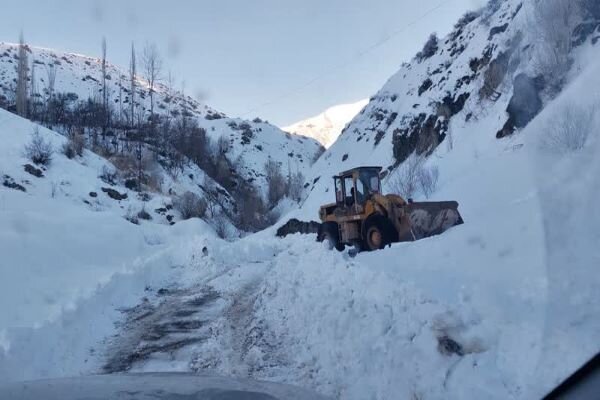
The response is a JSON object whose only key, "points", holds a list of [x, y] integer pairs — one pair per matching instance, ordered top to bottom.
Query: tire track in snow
{"points": [[178, 318], [199, 327]]}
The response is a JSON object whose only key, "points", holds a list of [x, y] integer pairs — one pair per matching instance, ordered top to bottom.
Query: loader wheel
{"points": [[329, 232], [378, 233]]}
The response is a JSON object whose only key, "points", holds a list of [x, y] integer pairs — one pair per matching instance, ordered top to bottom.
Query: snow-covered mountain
{"points": [[77, 76], [327, 126], [501, 307]]}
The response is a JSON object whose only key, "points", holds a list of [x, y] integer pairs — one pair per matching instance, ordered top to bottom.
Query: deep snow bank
{"points": [[62, 233], [54, 247], [75, 341]]}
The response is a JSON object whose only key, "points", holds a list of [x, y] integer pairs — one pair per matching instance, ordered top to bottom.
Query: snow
{"points": [[81, 76], [392, 108], [327, 126], [59, 243], [504, 306], [368, 326]]}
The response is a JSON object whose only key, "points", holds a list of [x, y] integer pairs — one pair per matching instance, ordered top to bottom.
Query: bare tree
{"points": [[553, 26], [153, 68], [51, 75], [22, 76], [132, 77], [33, 92], [120, 98], [105, 111], [74, 145], [222, 145], [39, 150], [412, 176], [404, 180], [428, 180], [295, 186], [277, 187], [210, 194], [190, 205], [251, 210], [220, 224]]}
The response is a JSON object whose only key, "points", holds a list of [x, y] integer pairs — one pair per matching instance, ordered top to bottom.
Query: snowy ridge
{"points": [[327, 126], [252, 143], [501, 307]]}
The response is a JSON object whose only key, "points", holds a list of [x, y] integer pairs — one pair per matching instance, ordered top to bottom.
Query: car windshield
{"points": [[167, 202]]}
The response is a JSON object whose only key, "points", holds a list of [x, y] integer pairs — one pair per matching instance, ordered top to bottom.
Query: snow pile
{"points": [[327, 126], [75, 342]]}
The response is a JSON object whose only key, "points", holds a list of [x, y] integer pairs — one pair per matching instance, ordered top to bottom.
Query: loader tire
{"points": [[329, 232], [378, 232]]}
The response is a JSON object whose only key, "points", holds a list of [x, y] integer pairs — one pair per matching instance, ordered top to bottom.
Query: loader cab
{"points": [[354, 187]]}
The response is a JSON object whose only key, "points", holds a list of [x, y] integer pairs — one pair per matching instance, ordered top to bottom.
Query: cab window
{"points": [[370, 181], [339, 191], [361, 191], [349, 194]]}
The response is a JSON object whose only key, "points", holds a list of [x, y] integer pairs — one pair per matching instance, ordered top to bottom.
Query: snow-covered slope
{"points": [[430, 101], [327, 126], [252, 142], [62, 234], [502, 307]]}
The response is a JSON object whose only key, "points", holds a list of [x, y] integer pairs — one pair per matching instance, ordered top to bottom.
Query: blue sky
{"points": [[248, 58]]}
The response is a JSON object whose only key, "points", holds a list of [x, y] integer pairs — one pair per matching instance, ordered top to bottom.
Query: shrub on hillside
{"points": [[490, 9], [466, 19], [429, 49], [569, 129], [74, 145], [38, 150], [108, 175], [413, 177], [276, 182], [295, 186], [190, 205], [251, 210], [143, 214], [131, 217], [220, 225]]}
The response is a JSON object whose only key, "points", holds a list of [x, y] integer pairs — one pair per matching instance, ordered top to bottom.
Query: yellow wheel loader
{"points": [[365, 218]]}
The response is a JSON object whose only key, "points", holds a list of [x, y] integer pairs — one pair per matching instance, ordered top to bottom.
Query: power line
{"points": [[349, 62]]}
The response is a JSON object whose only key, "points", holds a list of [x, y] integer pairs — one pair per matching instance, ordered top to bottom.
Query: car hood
{"points": [[152, 386]]}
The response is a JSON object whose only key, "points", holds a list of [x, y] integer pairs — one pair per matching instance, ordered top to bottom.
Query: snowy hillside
{"points": [[79, 77], [464, 82], [327, 126], [68, 214], [501, 307]]}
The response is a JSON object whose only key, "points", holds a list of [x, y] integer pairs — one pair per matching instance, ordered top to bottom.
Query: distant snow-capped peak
{"points": [[327, 126]]}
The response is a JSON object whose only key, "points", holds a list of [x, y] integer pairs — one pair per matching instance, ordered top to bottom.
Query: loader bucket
{"points": [[430, 218]]}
